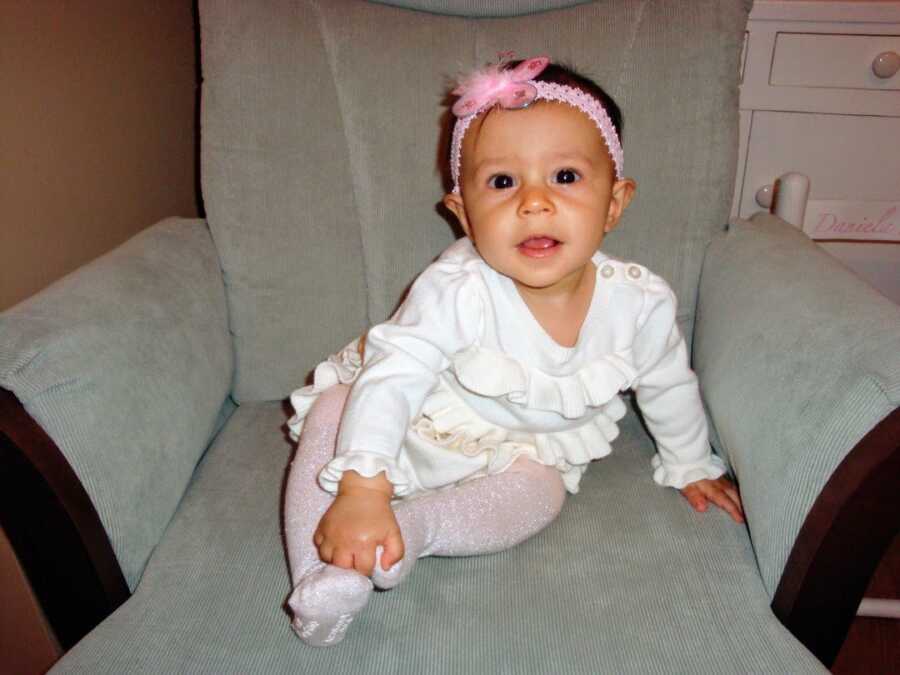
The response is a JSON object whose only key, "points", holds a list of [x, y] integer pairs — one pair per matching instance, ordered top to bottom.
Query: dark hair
{"points": [[560, 74]]}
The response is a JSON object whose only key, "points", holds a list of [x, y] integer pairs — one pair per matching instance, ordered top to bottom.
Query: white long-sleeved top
{"points": [[462, 380]]}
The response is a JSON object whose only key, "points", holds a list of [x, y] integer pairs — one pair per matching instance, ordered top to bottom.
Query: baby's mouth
{"points": [[539, 247]]}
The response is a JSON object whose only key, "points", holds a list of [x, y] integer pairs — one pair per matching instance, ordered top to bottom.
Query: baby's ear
{"points": [[622, 192], [454, 202]]}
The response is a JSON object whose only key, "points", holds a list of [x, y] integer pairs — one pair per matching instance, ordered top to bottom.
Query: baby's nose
{"points": [[535, 201]]}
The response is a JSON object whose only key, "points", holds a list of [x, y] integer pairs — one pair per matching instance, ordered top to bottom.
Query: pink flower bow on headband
{"points": [[508, 88]]}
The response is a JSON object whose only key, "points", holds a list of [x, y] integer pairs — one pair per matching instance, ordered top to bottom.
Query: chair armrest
{"points": [[125, 364], [799, 365]]}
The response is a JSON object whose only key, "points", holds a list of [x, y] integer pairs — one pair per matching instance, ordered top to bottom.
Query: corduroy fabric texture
{"points": [[322, 160], [798, 359], [126, 364], [628, 580]]}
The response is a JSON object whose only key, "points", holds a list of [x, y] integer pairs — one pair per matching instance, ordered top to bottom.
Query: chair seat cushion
{"points": [[628, 579]]}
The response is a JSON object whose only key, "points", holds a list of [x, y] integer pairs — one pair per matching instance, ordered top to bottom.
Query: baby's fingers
{"points": [[695, 497], [735, 497], [725, 502], [393, 550], [326, 551], [343, 558], [364, 561]]}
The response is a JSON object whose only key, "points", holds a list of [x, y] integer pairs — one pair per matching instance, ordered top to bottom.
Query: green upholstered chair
{"points": [[143, 417]]}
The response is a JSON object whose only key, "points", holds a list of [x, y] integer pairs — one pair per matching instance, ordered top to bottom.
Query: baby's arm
{"points": [[402, 359], [669, 396], [359, 520]]}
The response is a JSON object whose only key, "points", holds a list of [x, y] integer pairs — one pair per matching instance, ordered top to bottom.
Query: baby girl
{"points": [[483, 399]]}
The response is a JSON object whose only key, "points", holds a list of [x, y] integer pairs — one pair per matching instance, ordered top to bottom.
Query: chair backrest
{"points": [[321, 123]]}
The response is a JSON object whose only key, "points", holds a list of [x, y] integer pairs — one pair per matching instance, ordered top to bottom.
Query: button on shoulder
{"points": [[628, 273]]}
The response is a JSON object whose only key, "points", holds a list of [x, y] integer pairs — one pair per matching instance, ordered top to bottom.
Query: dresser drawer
{"points": [[831, 61], [847, 157], [853, 163]]}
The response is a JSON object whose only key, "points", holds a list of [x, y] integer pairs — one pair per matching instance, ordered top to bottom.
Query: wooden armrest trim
{"points": [[54, 529], [844, 536]]}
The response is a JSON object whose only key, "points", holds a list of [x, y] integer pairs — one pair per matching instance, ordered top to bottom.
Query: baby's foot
{"points": [[386, 579], [325, 602]]}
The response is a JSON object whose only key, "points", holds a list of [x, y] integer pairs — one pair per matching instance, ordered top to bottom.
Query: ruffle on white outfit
{"points": [[340, 368], [491, 373], [368, 464], [679, 475]]}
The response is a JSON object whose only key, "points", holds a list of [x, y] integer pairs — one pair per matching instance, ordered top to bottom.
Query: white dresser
{"points": [[820, 96]]}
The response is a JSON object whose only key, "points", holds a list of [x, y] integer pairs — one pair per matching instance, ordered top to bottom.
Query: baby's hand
{"points": [[720, 492], [359, 520]]}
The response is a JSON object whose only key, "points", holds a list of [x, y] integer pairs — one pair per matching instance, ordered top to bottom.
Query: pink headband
{"points": [[516, 88]]}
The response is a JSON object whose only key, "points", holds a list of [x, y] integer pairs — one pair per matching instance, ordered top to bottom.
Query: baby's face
{"points": [[538, 192]]}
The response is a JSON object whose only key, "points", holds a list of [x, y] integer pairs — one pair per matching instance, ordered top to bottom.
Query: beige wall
{"points": [[96, 130]]}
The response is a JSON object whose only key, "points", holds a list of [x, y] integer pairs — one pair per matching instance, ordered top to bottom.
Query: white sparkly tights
{"points": [[485, 515]]}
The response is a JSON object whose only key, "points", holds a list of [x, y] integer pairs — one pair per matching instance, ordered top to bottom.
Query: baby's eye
{"points": [[567, 176], [500, 181]]}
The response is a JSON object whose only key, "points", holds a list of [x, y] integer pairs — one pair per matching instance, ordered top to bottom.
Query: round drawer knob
{"points": [[886, 64], [764, 196]]}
